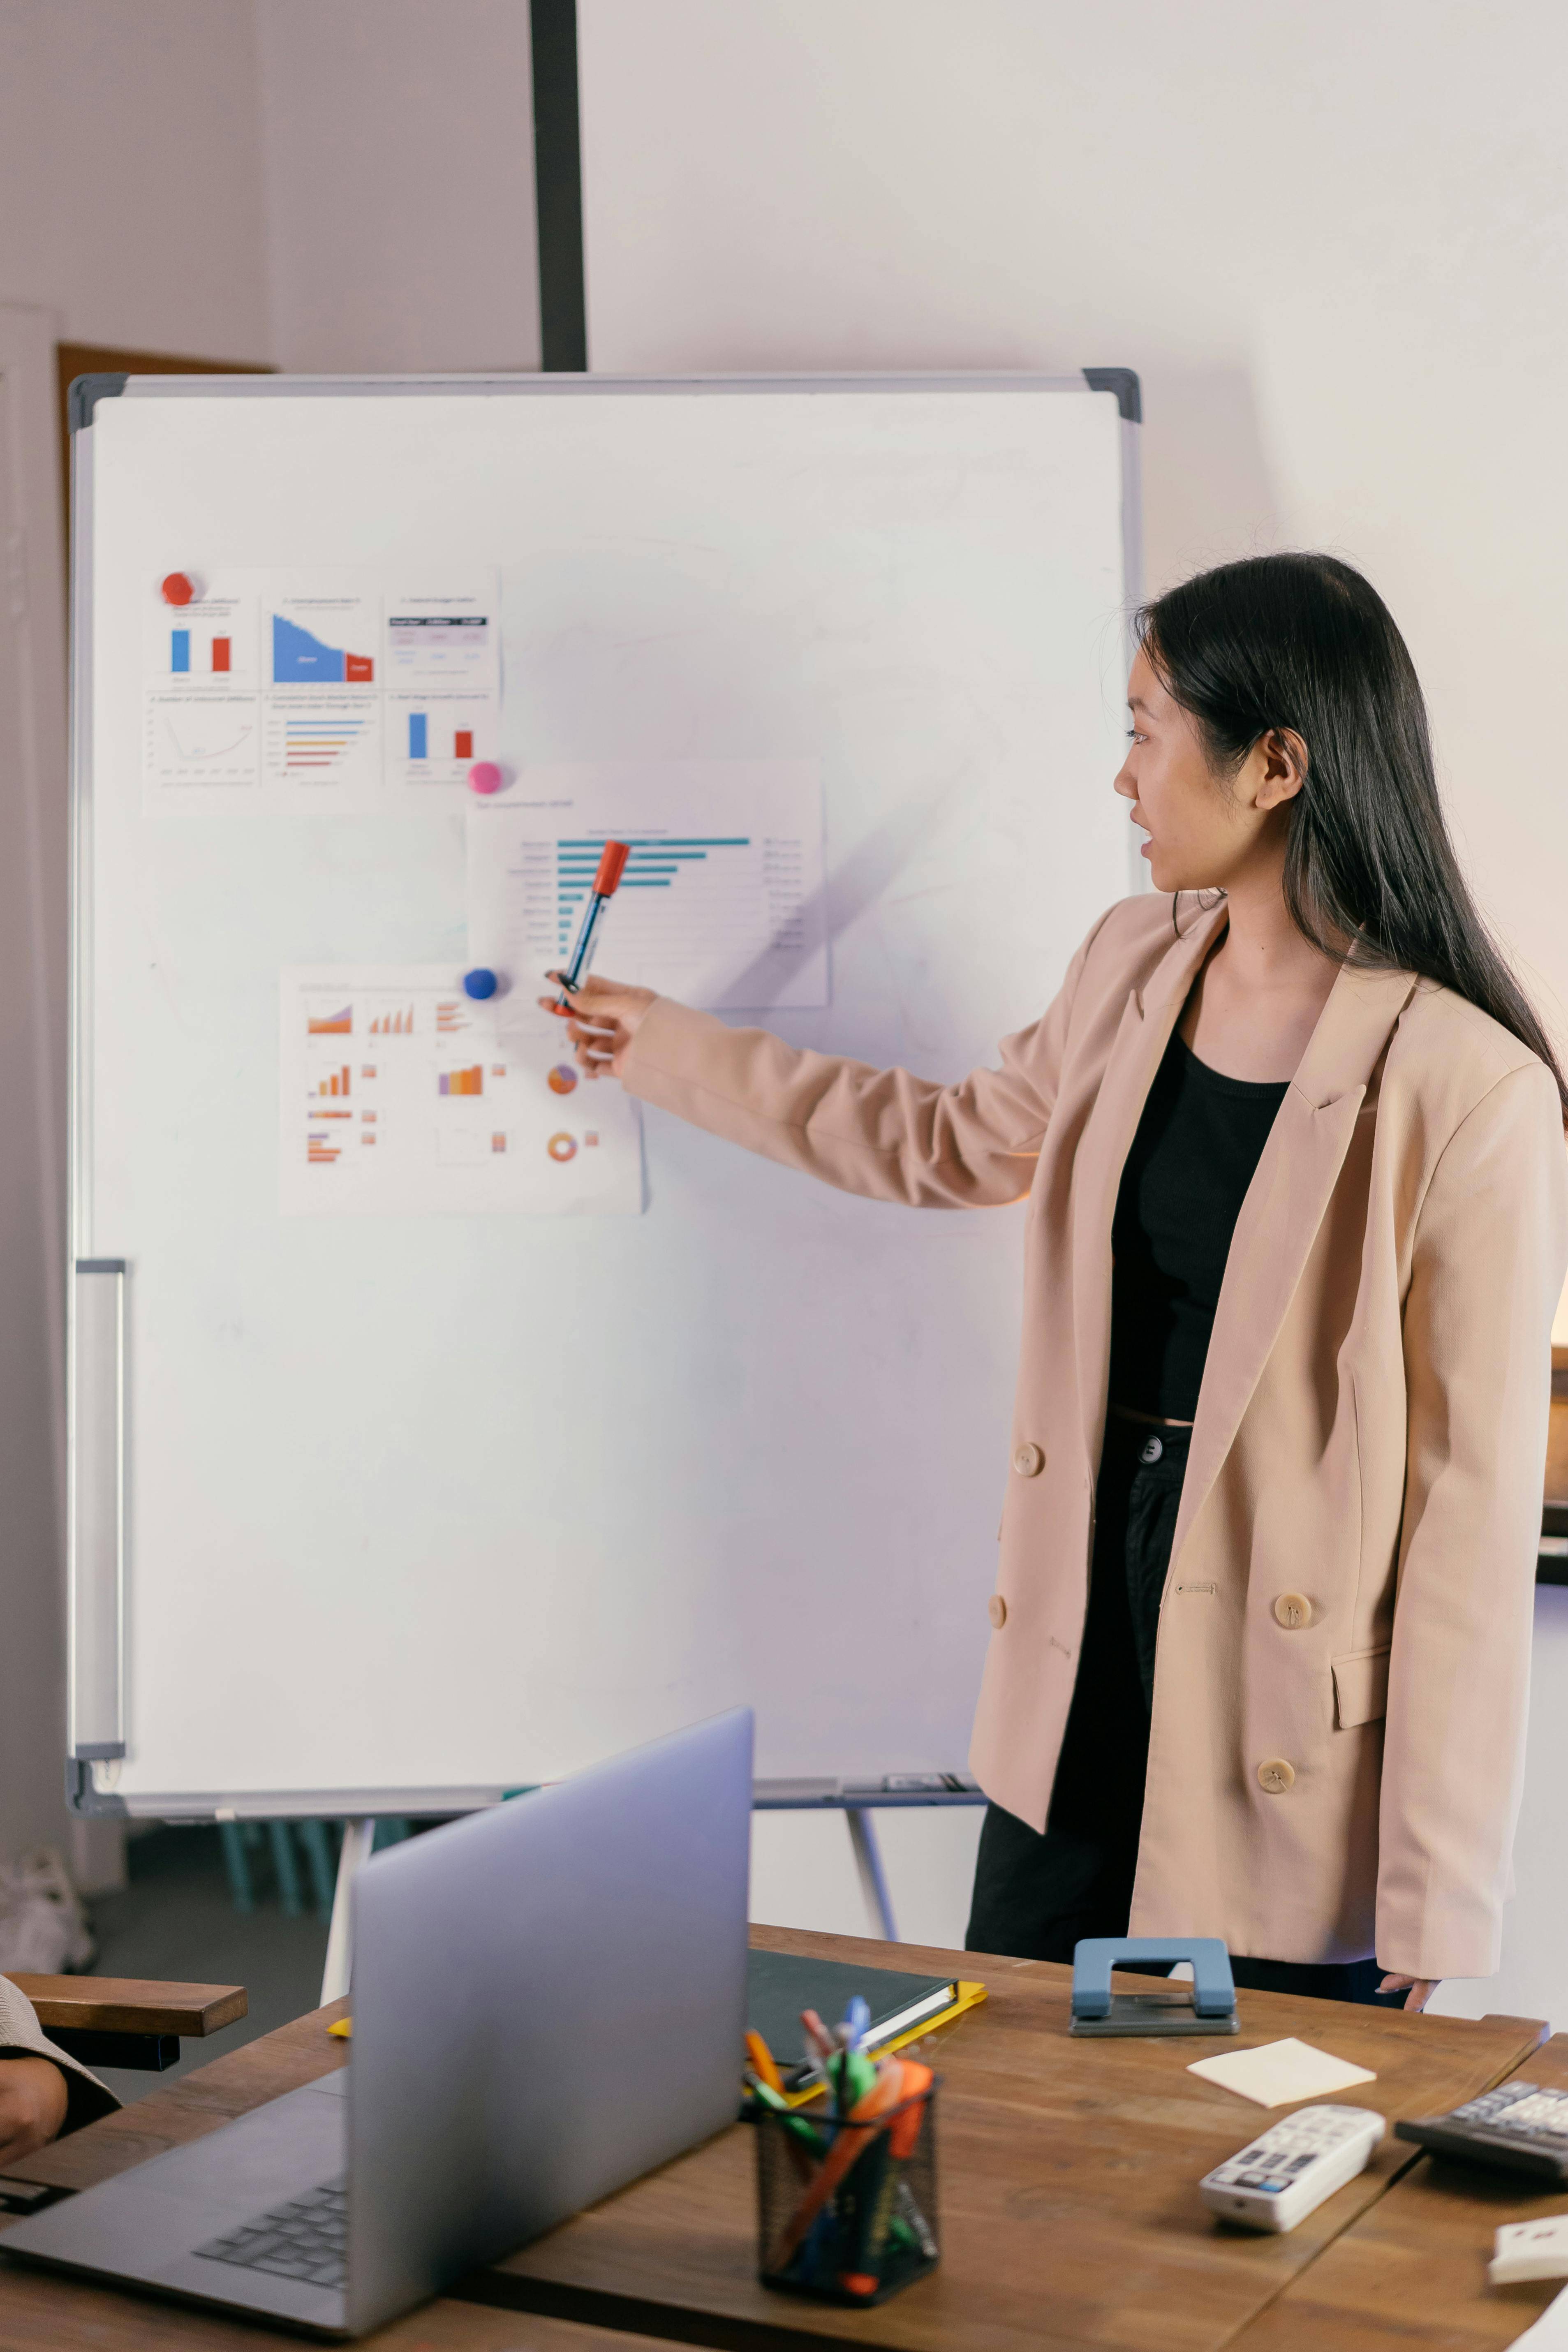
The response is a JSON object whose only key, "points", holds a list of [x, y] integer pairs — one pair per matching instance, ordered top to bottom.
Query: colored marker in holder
{"points": [[606, 882]]}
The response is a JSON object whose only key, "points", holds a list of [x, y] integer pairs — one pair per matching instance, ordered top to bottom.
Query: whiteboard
{"points": [[401, 1510]]}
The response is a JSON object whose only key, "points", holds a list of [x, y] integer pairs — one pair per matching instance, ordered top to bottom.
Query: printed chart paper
{"points": [[320, 692], [721, 904], [399, 1096]]}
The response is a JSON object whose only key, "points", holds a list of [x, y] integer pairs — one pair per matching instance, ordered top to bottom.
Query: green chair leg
{"points": [[318, 1857], [285, 1869], [241, 1893]]}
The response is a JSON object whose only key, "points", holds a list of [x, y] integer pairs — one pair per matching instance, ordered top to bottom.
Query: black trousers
{"points": [[1035, 1895]]}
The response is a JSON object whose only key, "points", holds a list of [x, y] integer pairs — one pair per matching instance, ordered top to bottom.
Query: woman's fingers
{"points": [[601, 1000], [601, 1017], [1417, 1990]]}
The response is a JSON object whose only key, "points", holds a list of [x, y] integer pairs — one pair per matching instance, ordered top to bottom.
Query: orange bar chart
{"points": [[463, 1082], [337, 1083]]}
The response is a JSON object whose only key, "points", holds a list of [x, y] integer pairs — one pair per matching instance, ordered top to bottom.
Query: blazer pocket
{"points": [[1361, 1687]]}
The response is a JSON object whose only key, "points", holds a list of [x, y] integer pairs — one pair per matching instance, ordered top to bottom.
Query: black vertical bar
{"points": [[558, 186]]}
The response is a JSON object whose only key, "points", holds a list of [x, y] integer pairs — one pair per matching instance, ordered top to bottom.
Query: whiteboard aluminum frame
{"points": [[96, 1572]]}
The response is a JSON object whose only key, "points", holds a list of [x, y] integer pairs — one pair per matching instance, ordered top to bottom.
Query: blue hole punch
{"points": [[480, 983], [1207, 2006]]}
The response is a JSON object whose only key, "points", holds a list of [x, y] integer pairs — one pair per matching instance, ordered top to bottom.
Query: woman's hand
{"points": [[601, 1020], [1421, 1989], [32, 2106]]}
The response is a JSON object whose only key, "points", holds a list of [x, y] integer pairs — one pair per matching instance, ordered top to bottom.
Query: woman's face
{"points": [[1203, 830]]}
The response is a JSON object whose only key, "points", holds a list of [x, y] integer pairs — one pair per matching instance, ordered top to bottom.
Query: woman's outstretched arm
{"points": [[883, 1133]]}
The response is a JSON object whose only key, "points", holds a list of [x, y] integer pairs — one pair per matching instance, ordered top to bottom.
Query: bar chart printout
{"points": [[434, 737], [721, 903], [399, 1096]]}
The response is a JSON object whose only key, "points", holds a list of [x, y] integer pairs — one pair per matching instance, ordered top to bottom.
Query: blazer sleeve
{"points": [[882, 1133], [1486, 1272], [21, 2036]]}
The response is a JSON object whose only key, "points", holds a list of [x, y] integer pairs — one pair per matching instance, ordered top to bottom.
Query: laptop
{"points": [[549, 1999]]}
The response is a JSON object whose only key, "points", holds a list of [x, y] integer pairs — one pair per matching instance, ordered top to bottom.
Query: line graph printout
{"points": [[199, 741], [721, 904], [399, 1096]]}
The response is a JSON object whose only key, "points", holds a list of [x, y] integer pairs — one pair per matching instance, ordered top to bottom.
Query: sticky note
{"points": [[1280, 2071]]}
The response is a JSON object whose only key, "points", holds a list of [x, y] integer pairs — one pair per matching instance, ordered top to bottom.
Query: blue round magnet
{"points": [[480, 983]]}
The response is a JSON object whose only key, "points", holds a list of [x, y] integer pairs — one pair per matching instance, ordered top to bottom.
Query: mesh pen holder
{"points": [[846, 2211]]}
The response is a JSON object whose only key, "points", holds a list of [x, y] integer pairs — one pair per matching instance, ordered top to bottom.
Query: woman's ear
{"points": [[1284, 756]]}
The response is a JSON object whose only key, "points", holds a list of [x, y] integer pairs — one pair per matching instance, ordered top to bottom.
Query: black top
{"points": [[1197, 1145]]}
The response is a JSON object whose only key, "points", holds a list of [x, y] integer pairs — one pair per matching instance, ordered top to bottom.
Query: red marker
{"points": [[612, 866]]}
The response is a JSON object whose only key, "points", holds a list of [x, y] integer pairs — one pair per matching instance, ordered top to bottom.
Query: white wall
{"points": [[399, 151], [131, 189], [1331, 240]]}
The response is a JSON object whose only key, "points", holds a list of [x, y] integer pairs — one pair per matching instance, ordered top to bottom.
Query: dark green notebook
{"points": [[779, 1985]]}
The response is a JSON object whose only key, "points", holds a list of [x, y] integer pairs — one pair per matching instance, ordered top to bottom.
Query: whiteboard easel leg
{"points": [[357, 1839], [869, 1862]]}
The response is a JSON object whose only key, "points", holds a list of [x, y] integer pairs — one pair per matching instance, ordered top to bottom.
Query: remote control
{"points": [[1277, 2180]]}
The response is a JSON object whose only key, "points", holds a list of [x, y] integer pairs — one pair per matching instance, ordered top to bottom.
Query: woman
{"points": [[1297, 1220]]}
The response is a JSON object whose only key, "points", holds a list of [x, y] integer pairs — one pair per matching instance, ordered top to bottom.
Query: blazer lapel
{"points": [[1149, 1016], [1284, 1207]]}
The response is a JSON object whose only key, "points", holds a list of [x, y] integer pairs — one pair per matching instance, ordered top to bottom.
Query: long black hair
{"points": [[1303, 642]]}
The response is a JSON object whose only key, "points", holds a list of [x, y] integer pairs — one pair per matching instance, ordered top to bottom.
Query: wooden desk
{"points": [[1070, 2207], [1070, 2211], [1411, 2274], [40, 2314]]}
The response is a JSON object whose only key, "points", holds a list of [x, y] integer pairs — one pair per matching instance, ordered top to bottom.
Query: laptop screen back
{"points": [[548, 2001]]}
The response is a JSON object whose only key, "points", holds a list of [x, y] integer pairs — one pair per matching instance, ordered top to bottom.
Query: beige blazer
{"points": [[1323, 1781], [21, 2036]]}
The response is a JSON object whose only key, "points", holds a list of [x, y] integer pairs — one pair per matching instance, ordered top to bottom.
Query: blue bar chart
{"points": [[652, 865], [721, 902]]}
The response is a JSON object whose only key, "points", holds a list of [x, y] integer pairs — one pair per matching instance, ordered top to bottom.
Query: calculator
{"points": [[1518, 2128]]}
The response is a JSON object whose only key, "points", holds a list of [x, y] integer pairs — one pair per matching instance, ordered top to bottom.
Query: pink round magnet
{"points": [[180, 588], [484, 776]]}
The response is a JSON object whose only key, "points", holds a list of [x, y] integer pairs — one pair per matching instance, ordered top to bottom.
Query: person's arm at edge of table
{"points": [[43, 2092]]}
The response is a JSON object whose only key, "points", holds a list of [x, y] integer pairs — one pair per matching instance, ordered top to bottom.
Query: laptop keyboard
{"points": [[306, 2239]]}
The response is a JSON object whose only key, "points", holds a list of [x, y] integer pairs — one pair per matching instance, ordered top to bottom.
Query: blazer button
{"points": [[1028, 1461], [1293, 1608], [996, 1610], [1275, 1775]]}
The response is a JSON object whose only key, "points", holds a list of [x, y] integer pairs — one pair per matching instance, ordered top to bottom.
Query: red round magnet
{"points": [[179, 588]]}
